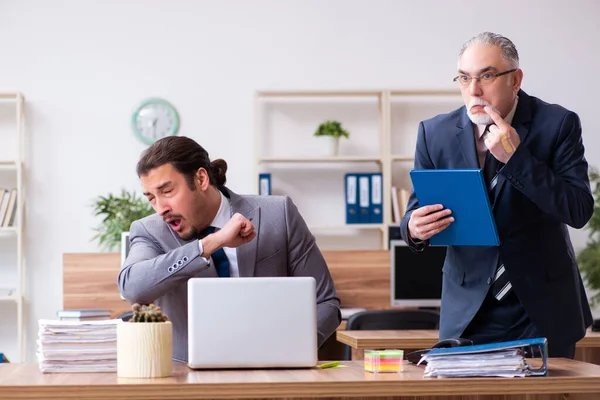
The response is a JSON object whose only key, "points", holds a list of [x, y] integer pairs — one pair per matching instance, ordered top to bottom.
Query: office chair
{"points": [[391, 320]]}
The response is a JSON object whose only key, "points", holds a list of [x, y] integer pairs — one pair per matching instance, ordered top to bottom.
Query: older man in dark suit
{"points": [[532, 156]]}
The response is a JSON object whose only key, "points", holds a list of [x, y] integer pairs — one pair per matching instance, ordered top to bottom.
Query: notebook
{"points": [[464, 192], [261, 322]]}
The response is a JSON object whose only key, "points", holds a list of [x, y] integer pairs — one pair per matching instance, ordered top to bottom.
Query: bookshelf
{"points": [[383, 127], [12, 222]]}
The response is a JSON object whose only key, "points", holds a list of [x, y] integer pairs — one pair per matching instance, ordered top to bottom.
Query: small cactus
{"points": [[147, 313]]}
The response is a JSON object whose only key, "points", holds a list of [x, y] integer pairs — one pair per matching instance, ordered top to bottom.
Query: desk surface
{"points": [[418, 339], [25, 381]]}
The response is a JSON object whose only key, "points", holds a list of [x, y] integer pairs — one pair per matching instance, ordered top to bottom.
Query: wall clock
{"points": [[154, 119]]}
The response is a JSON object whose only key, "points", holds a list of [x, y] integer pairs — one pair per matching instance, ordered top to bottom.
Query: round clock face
{"points": [[154, 119]]}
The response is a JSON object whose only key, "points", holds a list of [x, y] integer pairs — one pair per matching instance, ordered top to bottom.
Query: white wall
{"points": [[84, 65]]}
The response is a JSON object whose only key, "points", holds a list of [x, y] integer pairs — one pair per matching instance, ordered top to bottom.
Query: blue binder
{"points": [[264, 184], [351, 186], [464, 192], [364, 198], [376, 199], [533, 348]]}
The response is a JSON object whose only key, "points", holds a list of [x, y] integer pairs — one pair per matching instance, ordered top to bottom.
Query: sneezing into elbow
{"points": [[131, 292]]}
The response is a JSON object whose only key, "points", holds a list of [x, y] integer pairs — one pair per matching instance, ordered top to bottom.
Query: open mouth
{"points": [[175, 223]]}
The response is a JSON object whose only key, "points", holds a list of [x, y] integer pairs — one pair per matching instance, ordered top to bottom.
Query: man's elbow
{"points": [[584, 215], [132, 293]]}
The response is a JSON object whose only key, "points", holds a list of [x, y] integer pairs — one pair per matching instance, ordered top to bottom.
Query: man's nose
{"points": [[475, 87], [162, 207]]}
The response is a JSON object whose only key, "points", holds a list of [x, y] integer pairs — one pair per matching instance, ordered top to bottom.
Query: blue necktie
{"points": [[218, 257]]}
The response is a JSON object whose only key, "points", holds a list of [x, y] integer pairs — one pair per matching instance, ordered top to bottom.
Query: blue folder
{"points": [[464, 192], [532, 348]]}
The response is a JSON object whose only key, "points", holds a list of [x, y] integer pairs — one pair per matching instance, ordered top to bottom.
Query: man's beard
{"points": [[480, 119], [193, 234]]}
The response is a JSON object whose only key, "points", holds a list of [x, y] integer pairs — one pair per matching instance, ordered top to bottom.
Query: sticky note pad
{"points": [[384, 360]]}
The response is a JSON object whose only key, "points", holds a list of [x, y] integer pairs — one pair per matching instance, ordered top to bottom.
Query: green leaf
{"points": [[331, 128], [117, 213], [589, 257]]}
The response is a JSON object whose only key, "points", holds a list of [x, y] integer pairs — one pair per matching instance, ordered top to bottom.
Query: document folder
{"points": [[464, 192], [485, 358]]}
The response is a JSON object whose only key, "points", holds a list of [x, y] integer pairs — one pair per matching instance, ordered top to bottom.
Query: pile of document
{"points": [[77, 346], [503, 359], [507, 363]]}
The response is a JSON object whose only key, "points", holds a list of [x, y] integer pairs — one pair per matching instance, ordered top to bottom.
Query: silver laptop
{"points": [[252, 322]]}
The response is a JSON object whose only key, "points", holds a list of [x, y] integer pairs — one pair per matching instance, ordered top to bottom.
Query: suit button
{"points": [[489, 280]]}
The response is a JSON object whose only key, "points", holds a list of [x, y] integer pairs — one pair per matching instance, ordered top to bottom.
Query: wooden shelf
{"points": [[318, 93], [425, 93], [9, 95], [393, 154], [400, 157], [338, 159], [8, 164], [12, 166], [10, 231], [11, 298]]}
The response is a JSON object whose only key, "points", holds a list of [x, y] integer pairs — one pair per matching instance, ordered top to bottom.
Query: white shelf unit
{"points": [[406, 109], [391, 150], [12, 169]]}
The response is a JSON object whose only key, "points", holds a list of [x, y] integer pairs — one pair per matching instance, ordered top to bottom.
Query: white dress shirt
{"points": [[479, 129], [224, 215]]}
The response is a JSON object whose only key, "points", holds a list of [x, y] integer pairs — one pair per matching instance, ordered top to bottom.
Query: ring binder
{"points": [[513, 358]]}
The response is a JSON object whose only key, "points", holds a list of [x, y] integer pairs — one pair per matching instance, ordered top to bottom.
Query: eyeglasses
{"points": [[485, 79]]}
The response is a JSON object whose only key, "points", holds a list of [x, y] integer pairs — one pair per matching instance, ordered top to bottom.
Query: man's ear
{"points": [[518, 79], [201, 179]]}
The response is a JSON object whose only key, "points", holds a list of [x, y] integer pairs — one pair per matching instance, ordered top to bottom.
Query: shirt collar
{"points": [[508, 119], [224, 213]]}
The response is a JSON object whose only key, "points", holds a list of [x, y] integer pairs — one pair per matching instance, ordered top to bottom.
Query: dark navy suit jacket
{"points": [[543, 188]]}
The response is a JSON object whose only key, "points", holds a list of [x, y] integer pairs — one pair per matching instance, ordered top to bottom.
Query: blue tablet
{"points": [[464, 192]]}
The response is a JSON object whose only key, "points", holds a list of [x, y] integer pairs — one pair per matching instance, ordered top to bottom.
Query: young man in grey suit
{"points": [[532, 157], [203, 229]]}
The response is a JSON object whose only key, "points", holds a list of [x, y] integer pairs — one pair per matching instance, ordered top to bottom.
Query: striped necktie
{"points": [[501, 286]]}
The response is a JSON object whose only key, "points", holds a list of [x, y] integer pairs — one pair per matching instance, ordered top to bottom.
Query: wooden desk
{"points": [[587, 350], [566, 378]]}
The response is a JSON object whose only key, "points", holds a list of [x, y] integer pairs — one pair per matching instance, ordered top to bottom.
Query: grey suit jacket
{"points": [[159, 263]]}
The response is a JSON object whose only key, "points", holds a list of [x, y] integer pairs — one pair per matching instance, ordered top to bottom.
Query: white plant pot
{"points": [[330, 145], [144, 349]]}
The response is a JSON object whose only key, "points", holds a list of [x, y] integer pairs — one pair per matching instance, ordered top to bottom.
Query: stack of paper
{"points": [[83, 315], [77, 346], [503, 359], [504, 363]]}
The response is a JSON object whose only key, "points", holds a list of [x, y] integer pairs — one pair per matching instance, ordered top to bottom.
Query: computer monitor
{"points": [[124, 246], [124, 250], [416, 278]]}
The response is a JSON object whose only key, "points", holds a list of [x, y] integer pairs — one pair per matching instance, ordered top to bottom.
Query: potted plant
{"points": [[333, 131], [118, 213], [589, 257], [145, 344]]}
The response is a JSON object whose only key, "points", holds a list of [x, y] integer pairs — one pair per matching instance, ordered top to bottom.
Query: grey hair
{"points": [[507, 47]]}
